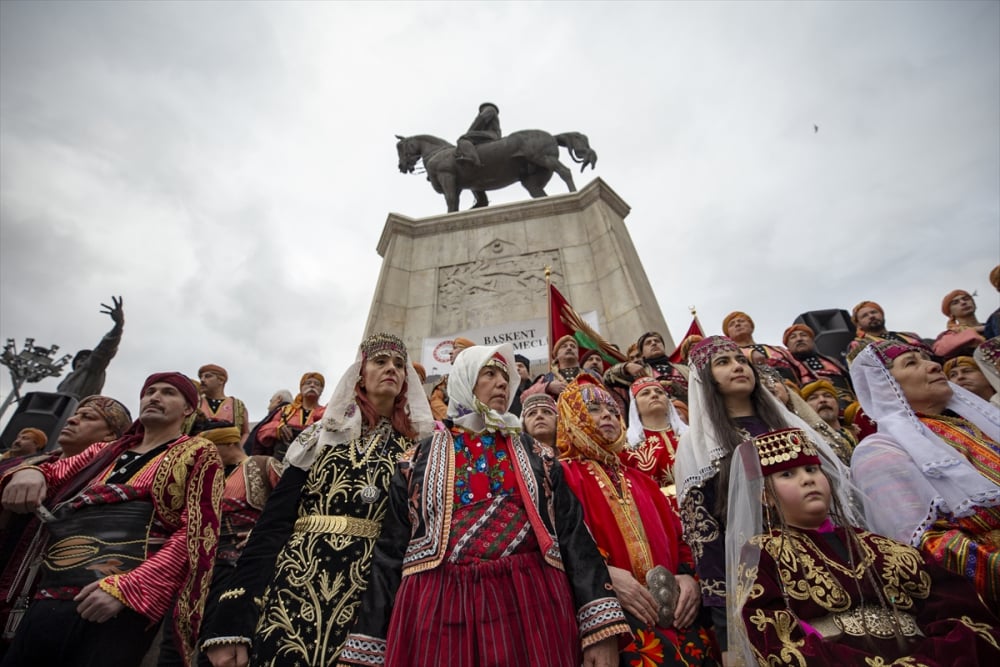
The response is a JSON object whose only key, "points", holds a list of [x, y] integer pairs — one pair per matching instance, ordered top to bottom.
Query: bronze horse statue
{"points": [[528, 156]]}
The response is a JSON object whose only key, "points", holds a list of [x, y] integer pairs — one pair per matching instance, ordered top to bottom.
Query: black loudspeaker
{"points": [[834, 331], [40, 410]]}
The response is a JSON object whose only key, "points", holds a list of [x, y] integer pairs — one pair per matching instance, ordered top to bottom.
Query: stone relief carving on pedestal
{"points": [[502, 273]]}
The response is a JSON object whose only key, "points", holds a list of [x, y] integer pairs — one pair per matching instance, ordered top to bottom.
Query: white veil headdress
{"points": [[467, 411], [342, 420], [636, 431], [701, 452], [937, 479], [745, 520]]}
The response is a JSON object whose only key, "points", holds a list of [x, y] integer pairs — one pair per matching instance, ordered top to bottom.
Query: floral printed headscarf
{"points": [[577, 436]]}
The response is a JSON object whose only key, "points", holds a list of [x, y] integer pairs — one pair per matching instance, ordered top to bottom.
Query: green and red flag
{"points": [[564, 321]]}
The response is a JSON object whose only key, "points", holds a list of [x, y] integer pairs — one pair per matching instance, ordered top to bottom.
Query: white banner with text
{"points": [[528, 337]]}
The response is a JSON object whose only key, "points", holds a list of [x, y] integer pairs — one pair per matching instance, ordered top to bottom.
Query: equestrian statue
{"points": [[483, 160]]}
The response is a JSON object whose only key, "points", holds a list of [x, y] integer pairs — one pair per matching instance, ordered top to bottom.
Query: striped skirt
{"points": [[513, 612]]}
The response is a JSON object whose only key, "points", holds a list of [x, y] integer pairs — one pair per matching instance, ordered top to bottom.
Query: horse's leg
{"points": [[558, 167], [535, 183], [449, 186], [481, 200]]}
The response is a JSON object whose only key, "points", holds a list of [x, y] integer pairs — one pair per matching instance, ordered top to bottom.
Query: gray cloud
{"points": [[228, 168]]}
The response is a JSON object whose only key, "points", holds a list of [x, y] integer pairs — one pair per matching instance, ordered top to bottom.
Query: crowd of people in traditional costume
{"points": [[734, 503]]}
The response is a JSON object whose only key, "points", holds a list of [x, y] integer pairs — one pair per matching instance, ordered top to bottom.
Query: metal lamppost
{"points": [[33, 363]]}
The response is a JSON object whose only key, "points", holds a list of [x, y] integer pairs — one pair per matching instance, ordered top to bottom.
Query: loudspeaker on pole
{"points": [[45, 411]]}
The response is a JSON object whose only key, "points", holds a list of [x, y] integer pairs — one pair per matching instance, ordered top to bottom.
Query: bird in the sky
{"points": [[815, 129]]}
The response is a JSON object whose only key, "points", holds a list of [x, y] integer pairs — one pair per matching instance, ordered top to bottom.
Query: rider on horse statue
{"points": [[486, 127], [528, 157]]}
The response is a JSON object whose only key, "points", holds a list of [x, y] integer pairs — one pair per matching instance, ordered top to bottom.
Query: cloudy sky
{"points": [[228, 167]]}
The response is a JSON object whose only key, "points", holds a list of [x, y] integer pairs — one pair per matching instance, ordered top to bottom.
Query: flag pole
{"points": [[548, 300], [694, 314]]}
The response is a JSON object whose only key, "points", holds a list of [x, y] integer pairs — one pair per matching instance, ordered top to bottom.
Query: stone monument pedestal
{"points": [[471, 270]]}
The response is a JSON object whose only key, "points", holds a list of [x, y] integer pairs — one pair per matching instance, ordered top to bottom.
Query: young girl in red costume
{"points": [[808, 588]]}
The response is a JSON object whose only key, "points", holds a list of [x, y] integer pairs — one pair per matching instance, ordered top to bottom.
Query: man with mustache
{"points": [[869, 318], [809, 365], [218, 407], [133, 528]]}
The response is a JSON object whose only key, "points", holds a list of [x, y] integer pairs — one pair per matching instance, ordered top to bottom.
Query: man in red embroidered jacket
{"points": [[133, 529]]}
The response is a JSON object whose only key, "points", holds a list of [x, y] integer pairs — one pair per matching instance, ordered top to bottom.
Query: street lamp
{"points": [[33, 363]]}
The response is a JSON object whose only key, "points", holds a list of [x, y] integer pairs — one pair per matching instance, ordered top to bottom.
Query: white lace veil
{"points": [[467, 411], [342, 419], [700, 449], [907, 463], [745, 519]]}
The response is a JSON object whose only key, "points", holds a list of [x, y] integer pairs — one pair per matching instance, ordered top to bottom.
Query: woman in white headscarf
{"points": [[931, 474], [309, 554], [484, 558]]}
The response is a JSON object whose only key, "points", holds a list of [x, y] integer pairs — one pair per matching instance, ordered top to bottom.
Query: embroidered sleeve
{"points": [[59, 471], [707, 542], [181, 570], [600, 619], [222, 641], [363, 650]]}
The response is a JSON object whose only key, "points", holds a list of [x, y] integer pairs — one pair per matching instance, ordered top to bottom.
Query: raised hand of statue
{"points": [[116, 312]]}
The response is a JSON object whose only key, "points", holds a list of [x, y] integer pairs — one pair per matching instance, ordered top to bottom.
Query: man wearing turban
{"points": [[869, 318], [739, 326], [964, 332], [811, 366], [823, 397], [218, 407], [97, 419], [276, 431], [28, 441], [133, 528]]}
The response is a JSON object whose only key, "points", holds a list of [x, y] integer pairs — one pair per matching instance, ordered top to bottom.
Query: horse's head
{"points": [[409, 154]]}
